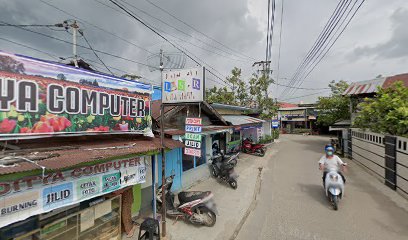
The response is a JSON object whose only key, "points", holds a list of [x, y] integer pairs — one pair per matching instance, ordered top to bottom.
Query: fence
{"points": [[383, 155]]}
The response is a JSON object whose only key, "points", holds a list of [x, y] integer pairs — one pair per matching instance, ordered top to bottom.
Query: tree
{"points": [[9, 64], [61, 76], [220, 95], [335, 107], [387, 113]]}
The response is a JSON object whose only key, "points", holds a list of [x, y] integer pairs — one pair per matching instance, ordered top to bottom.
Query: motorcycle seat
{"points": [[191, 196]]}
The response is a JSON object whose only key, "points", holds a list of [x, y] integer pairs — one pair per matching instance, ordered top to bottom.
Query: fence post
{"points": [[350, 145], [391, 161]]}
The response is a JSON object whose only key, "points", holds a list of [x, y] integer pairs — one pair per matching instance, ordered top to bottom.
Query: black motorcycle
{"points": [[222, 167]]}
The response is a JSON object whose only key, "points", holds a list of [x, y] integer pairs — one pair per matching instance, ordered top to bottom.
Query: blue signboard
{"points": [[275, 123], [194, 129]]}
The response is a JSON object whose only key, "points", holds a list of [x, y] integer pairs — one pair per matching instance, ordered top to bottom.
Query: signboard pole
{"points": [[163, 217]]}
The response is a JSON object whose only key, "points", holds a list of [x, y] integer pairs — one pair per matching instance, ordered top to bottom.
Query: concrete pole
{"points": [[74, 27], [163, 152]]}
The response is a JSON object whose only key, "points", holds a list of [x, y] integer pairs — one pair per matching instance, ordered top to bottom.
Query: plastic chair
{"points": [[151, 227]]}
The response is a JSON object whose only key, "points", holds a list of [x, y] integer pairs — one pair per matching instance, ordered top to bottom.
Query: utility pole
{"points": [[74, 27], [163, 153]]}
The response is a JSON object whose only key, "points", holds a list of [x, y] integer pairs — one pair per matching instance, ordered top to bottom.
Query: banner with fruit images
{"points": [[41, 98]]}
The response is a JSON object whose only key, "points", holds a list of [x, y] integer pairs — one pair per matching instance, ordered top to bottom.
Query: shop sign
{"points": [[185, 85], [41, 99], [194, 121], [275, 123], [194, 129], [193, 136], [193, 144], [192, 152], [34, 195]]}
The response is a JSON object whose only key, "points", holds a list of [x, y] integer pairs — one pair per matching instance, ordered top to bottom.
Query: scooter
{"points": [[251, 148], [221, 157], [222, 167], [334, 187], [195, 206]]}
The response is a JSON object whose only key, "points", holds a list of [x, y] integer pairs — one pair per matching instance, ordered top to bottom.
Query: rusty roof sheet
{"points": [[371, 86], [92, 151]]}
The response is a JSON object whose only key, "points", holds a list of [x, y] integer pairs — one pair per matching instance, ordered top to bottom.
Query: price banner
{"points": [[193, 121], [194, 129], [193, 136], [193, 144], [192, 152]]}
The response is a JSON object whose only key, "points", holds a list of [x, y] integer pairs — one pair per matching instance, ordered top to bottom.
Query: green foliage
{"points": [[243, 95], [335, 107], [386, 113], [275, 133], [265, 139]]}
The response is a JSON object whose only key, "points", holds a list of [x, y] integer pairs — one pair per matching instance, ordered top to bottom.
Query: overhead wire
{"points": [[131, 14], [95, 26], [195, 29], [187, 34], [327, 40], [316, 43], [89, 44], [79, 45], [280, 45], [32, 48], [307, 95]]}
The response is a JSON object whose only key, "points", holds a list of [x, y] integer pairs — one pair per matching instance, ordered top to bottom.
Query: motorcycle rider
{"points": [[331, 161]]}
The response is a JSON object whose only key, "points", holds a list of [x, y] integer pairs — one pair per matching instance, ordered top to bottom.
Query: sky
{"points": [[374, 43]]}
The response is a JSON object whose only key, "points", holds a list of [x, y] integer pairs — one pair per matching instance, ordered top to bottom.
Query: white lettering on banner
{"points": [[193, 121], [195, 129], [193, 144], [192, 152], [33, 196]]}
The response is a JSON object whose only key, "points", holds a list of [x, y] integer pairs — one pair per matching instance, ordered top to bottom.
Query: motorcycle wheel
{"points": [[260, 152], [213, 172], [233, 183], [335, 201], [209, 216]]}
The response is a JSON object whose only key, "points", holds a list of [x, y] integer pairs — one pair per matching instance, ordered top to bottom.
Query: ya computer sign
{"points": [[183, 86]]}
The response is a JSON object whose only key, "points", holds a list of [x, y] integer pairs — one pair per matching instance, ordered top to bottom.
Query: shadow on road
{"points": [[314, 191]]}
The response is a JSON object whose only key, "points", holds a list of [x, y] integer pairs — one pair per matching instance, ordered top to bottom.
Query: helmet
{"points": [[328, 147]]}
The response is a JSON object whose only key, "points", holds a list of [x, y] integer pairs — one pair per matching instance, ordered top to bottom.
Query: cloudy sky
{"points": [[374, 43]]}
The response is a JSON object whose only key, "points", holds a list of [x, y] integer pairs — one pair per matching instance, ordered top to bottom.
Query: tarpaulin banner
{"points": [[40, 98], [33, 195]]}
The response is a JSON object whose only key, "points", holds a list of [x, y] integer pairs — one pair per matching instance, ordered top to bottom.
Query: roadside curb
{"points": [[252, 206]]}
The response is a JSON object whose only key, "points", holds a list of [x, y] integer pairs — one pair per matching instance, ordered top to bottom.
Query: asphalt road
{"points": [[292, 204]]}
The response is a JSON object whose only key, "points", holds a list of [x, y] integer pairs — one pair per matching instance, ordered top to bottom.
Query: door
{"points": [[173, 166]]}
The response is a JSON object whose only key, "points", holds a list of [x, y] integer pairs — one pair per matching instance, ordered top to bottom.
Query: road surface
{"points": [[292, 204]]}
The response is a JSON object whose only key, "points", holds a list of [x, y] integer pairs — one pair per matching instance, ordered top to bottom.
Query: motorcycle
{"points": [[256, 149], [222, 166], [334, 187], [195, 206]]}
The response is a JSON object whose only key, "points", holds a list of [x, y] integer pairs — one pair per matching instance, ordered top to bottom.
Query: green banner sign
{"points": [[193, 136]]}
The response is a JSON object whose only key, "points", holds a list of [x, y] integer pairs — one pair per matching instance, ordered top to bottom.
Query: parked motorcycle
{"points": [[256, 149], [222, 167], [334, 187], [195, 206]]}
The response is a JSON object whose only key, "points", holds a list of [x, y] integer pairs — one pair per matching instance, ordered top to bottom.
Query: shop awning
{"points": [[241, 120], [340, 125], [205, 130], [81, 152]]}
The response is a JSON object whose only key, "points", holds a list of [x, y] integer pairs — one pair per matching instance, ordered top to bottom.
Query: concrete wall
{"points": [[267, 128], [192, 176]]}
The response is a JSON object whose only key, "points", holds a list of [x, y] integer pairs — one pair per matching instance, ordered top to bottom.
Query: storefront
{"points": [[249, 127], [80, 203]]}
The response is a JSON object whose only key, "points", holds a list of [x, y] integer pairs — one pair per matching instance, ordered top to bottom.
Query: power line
{"points": [[331, 24], [95, 26], [195, 29], [187, 34], [338, 36], [163, 37], [86, 40], [326, 41], [280, 45], [26, 46], [85, 47], [283, 85], [304, 95]]}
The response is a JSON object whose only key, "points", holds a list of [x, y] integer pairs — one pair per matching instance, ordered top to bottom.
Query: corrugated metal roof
{"points": [[371, 86], [238, 120], [91, 151]]}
